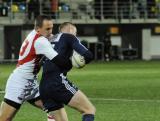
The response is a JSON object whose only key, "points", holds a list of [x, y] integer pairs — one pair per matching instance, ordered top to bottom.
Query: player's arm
{"points": [[77, 46], [43, 47], [62, 62]]}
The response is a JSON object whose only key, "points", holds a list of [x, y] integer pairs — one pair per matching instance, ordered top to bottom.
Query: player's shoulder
{"points": [[34, 36], [41, 39]]}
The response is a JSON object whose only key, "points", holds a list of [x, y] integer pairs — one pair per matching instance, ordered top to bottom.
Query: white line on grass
{"points": [[116, 99], [125, 100]]}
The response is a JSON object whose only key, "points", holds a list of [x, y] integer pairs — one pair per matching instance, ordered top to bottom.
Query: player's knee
{"points": [[90, 110]]}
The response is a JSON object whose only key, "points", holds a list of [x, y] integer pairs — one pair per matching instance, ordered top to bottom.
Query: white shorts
{"points": [[19, 89]]}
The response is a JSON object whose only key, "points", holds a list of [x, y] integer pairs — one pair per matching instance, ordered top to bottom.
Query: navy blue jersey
{"points": [[64, 44]]}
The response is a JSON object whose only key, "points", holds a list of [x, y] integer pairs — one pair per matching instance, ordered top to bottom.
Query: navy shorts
{"points": [[56, 90]]}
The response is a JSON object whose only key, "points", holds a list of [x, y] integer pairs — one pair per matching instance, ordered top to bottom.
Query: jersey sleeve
{"points": [[75, 44], [42, 46]]}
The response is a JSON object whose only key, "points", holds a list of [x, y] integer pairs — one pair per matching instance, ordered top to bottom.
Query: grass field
{"points": [[120, 91]]}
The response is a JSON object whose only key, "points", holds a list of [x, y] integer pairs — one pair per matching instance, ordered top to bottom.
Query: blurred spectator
{"points": [[46, 7], [97, 7], [151, 7], [33, 8], [54, 8], [123, 8], [143, 8], [158, 8], [3, 9], [90, 9], [103, 9], [115, 9], [120, 9], [134, 10], [107, 46]]}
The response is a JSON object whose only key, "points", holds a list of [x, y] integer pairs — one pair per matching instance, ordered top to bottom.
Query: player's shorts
{"points": [[19, 90], [56, 90]]}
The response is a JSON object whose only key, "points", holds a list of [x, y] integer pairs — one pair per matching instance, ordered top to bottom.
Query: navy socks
{"points": [[88, 117]]}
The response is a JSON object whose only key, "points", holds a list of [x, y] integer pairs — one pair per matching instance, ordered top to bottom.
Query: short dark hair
{"points": [[39, 20], [65, 24]]}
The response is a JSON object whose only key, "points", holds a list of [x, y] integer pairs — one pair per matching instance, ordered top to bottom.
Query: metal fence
{"points": [[88, 11]]}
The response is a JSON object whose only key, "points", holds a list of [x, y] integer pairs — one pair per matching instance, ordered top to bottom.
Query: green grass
{"points": [[135, 86]]}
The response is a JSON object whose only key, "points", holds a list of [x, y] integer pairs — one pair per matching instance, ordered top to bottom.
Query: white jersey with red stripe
{"points": [[32, 49], [22, 84]]}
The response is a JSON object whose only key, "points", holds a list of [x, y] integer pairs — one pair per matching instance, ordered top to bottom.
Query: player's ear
{"points": [[37, 29]]}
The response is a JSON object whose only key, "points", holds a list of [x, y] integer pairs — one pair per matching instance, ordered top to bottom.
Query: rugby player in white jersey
{"points": [[22, 84]]}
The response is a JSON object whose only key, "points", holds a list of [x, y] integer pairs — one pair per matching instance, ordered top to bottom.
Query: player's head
{"points": [[44, 25], [68, 27]]}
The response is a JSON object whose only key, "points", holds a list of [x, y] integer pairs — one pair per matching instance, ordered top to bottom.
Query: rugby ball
{"points": [[78, 61]]}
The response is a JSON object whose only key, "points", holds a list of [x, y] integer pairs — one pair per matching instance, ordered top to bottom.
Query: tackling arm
{"points": [[42, 46]]}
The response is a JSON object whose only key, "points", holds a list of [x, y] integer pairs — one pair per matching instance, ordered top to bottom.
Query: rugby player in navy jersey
{"points": [[55, 89]]}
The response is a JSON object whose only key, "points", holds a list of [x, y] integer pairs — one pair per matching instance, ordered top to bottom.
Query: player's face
{"points": [[46, 29]]}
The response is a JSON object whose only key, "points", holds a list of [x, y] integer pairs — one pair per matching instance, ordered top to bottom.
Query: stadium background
{"points": [[122, 82]]}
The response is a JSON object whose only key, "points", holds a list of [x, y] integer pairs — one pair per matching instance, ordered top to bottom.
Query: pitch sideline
{"points": [[116, 99], [124, 100]]}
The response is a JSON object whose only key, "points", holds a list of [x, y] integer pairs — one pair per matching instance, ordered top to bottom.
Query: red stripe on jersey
{"points": [[24, 48], [32, 55]]}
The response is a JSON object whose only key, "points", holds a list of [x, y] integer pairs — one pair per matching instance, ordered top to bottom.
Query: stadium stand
{"points": [[97, 11], [93, 18]]}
